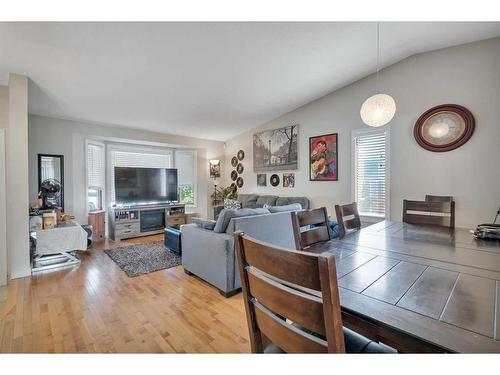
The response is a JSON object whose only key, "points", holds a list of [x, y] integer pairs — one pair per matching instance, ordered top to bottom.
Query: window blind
{"points": [[136, 160], [185, 162], [95, 166], [370, 173]]}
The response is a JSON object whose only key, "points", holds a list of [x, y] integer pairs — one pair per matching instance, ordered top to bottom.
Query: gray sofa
{"points": [[210, 255]]}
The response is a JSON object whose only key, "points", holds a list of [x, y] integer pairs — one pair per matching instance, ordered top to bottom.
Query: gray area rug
{"points": [[139, 259]]}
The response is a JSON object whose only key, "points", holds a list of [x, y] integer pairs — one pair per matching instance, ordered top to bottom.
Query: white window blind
{"points": [[137, 160], [185, 162], [95, 166], [370, 173]]}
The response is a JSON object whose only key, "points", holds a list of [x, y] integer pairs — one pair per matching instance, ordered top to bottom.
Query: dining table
{"points": [[419, 288]]}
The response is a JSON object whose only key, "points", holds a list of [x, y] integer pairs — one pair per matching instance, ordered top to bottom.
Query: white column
{"points": [[17, 184]]}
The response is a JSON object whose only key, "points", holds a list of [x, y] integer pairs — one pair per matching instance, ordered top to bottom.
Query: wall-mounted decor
{"points": [[444, 127], [275, 150], [241, 155], [323, 158], [234, 161], [214, 168], [239, 168], [234, 175], [261, 179], [275, 180], [288, 180], [239, 182], [233, 187]]}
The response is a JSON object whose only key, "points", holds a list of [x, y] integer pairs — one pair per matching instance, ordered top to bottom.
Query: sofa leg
{"points": [[188, 272], [229, 294]]}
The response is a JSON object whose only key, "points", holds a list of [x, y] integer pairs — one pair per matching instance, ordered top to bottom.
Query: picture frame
{"points": [[276, 149], [323, 157]]}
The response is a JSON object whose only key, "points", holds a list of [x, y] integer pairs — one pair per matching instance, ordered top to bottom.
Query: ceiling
{"points": [[207, 80]]}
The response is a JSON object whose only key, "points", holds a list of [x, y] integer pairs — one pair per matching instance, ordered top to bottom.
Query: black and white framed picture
{"points": [[275, 150], [261, 179]]}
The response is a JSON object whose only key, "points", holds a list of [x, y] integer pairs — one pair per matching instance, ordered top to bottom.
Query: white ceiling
{"points": [[207, 80]]}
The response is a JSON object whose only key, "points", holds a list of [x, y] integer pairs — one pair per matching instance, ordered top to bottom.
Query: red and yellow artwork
{"points": [[323, 162]]}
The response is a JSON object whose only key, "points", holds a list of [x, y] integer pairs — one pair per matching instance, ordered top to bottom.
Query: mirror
{"points": [[51, 167]]}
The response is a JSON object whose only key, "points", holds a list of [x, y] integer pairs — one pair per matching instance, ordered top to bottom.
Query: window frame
{"points": [[364, 132]]}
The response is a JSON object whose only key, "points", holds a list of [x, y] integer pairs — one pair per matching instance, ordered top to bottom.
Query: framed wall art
{"points": [[275, 150], [323, 158]]}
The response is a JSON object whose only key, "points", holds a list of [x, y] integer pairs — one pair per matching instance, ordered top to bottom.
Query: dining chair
{"points": [[438, 198], [437, 213], [348, 218], [310, 227], [292, 301]]}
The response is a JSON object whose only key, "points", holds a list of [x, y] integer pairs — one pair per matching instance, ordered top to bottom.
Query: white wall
{"points": [[468, 75], [4, 122], [56, 136], [17, 178]]}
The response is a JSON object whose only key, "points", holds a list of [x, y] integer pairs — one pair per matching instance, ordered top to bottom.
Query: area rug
{"points": [[139, 259]]}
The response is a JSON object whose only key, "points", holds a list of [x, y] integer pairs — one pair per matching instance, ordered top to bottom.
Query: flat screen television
{"points": [[136, 186]]}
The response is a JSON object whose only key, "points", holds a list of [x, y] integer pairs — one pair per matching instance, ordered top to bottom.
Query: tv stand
{"points": [[137, 221]]}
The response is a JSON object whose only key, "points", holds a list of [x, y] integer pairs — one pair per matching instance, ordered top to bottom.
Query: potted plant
{"points": [[222, 193]]}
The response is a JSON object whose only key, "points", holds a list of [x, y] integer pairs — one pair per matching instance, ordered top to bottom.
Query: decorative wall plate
{"points": [[444, 128], [241, 155], [234, 161], [239, 168], [234, 175], [275, 180], [239, 182], [233, 186]]}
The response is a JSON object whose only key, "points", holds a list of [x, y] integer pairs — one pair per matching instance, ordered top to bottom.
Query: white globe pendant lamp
{"points": [[378, 109]]}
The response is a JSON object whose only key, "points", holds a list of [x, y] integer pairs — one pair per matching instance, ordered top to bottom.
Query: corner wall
{"points": [[468, 75], [4, 123]]}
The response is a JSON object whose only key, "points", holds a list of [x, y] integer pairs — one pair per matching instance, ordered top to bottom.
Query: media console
{"points": [[137, 221]]}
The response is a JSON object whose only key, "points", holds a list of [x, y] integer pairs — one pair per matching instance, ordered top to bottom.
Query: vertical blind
{"points": [[136, 160], [185, 162], [95, 166], [370, 173]]}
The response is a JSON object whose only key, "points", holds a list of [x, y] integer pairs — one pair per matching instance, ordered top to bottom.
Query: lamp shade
{"points": [[378, 110], [214, 168]]}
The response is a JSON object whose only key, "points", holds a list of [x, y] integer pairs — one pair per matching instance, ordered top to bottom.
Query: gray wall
{"points": [[468, 75], [56, 136]]}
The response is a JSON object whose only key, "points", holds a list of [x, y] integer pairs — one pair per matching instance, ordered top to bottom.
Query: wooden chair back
{"points": [[438, 198], [438, 213], [348, 218], [320, 232], [291, 298]]}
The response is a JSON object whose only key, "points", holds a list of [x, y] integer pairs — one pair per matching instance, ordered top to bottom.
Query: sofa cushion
{"points": [[247, 200], [269, 200], [284, 201], [288, 207], [225, 216], [203, 223]]}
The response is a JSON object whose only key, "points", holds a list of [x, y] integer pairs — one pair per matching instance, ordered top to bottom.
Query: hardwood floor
{"points": [[96, 308]]}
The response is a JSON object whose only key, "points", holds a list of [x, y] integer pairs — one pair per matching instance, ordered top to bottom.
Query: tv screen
{"points": [[145, 185]]}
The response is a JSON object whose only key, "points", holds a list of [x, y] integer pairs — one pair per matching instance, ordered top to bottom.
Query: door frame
{"points": [[3, 219]]}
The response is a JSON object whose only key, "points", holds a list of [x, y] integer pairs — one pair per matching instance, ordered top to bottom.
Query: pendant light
{"points": [[378, 109]]}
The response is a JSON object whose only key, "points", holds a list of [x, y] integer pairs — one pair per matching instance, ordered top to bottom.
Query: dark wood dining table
{"points": [[420, 288]]}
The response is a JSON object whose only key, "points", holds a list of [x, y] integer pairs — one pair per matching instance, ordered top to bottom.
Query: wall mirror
{"points": [[50, 168]]}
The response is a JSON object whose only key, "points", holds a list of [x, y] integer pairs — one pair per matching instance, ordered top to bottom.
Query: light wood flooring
{"points": [[97, 308]]}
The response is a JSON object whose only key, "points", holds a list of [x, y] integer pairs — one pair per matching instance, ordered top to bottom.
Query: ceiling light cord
{"points": [[378, 58]]}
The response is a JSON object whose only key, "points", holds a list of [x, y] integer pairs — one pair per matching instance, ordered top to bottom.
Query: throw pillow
{"points": [[231, 204], [288, 207], [204, 223]]}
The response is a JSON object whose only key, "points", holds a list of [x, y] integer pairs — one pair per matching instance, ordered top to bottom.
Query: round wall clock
{"points": [[444, 128], [241, 155], [234, 161], [239, 168], [234, 175], [275, 180], [239, 182]]}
